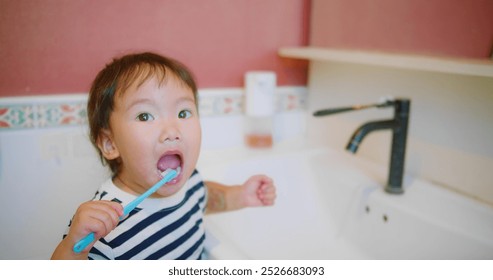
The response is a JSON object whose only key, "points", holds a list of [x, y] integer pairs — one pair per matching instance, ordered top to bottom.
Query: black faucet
{"points": [[398, 125]]}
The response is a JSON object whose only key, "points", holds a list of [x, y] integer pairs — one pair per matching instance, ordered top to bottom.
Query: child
{"points": [[143, 119]]}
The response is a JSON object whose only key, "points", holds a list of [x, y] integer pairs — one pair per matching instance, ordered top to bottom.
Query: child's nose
{"points": [[170, 133]]}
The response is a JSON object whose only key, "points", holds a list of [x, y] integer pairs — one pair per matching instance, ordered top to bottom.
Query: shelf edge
{"points": [[474, 67]]}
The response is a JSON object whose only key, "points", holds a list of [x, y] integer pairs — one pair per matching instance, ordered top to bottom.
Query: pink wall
{"points": [[461, 28], [56, 46]]}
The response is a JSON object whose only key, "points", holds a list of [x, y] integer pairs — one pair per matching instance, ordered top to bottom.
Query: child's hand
{"points": [[258, 190], [100, 217]]}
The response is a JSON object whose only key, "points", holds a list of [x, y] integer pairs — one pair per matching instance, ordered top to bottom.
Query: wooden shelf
{"points": [[473, 67]]}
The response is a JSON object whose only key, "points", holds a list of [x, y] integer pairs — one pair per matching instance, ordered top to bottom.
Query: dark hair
{"points": [[117, 77]]}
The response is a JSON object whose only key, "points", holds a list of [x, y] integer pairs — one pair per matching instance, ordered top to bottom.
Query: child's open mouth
{"points": [[173, 160]]}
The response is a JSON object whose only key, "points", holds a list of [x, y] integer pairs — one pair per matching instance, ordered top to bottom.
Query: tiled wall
{"points": [[63, 110]]}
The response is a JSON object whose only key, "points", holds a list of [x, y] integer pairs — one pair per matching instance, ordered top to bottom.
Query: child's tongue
{"points": [[168, 161]]}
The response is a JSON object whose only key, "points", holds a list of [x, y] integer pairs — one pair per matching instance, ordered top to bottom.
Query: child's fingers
{"points": [[260, 179], [267, 193], [268, 199], [116, 206], [106, 211], [116, 213], [99, 217], [103, 221], [100, 228]]}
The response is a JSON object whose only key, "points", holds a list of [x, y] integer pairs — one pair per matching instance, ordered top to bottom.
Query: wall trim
{"points": [[70, 109]]}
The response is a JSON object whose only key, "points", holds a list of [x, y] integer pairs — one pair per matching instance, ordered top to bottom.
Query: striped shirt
{"points": [[159, 228]]}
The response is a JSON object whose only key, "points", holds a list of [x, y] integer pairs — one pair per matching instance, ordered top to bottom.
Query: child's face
{"points": [[153, 128]]}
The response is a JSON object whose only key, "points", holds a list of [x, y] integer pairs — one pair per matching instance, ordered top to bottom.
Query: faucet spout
{"points": [[363, 130]]}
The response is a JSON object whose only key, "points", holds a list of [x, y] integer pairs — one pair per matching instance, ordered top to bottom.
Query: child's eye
{"points": [[184, 114], [145, 117]]}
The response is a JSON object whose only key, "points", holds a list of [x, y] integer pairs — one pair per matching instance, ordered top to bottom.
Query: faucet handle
{"points": [[386, 102]]}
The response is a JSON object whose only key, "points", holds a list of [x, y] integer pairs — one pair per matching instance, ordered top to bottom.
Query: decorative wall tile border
{"points": [[292, 99], [220, 102], [69, 110], [42, 112], [17, 116]]}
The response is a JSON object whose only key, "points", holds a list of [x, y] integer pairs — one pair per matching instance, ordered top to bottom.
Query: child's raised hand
{"points": [[258, 190]]}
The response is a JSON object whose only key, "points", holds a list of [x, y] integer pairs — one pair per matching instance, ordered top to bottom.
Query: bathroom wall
{"points": [[434, 27], [57, 46], [451, 129]]}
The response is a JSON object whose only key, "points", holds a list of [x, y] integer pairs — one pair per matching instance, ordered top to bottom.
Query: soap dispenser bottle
{"points": [[259, 108]]}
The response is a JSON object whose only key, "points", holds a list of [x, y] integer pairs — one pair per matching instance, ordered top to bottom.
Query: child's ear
{"points": [[107, 146]]}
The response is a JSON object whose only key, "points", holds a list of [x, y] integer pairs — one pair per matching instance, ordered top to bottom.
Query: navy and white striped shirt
{"points": [[159, 228]]}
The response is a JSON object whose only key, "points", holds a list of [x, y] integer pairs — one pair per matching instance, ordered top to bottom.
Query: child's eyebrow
{"points": [[185, 99], [144, 100], [138, 101]]}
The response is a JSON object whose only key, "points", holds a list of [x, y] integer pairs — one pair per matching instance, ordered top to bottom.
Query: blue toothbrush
{"points": [[168, 175]]}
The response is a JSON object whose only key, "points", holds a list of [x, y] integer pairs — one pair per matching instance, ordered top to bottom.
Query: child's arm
{"points": [[258, 190], [100, 217]]}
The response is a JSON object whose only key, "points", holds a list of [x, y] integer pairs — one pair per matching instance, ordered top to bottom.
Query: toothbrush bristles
{"points": [[178, 170]]}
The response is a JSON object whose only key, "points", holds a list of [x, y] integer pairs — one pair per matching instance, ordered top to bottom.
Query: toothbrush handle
{"points": [[168, 176], [84, 242]]}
